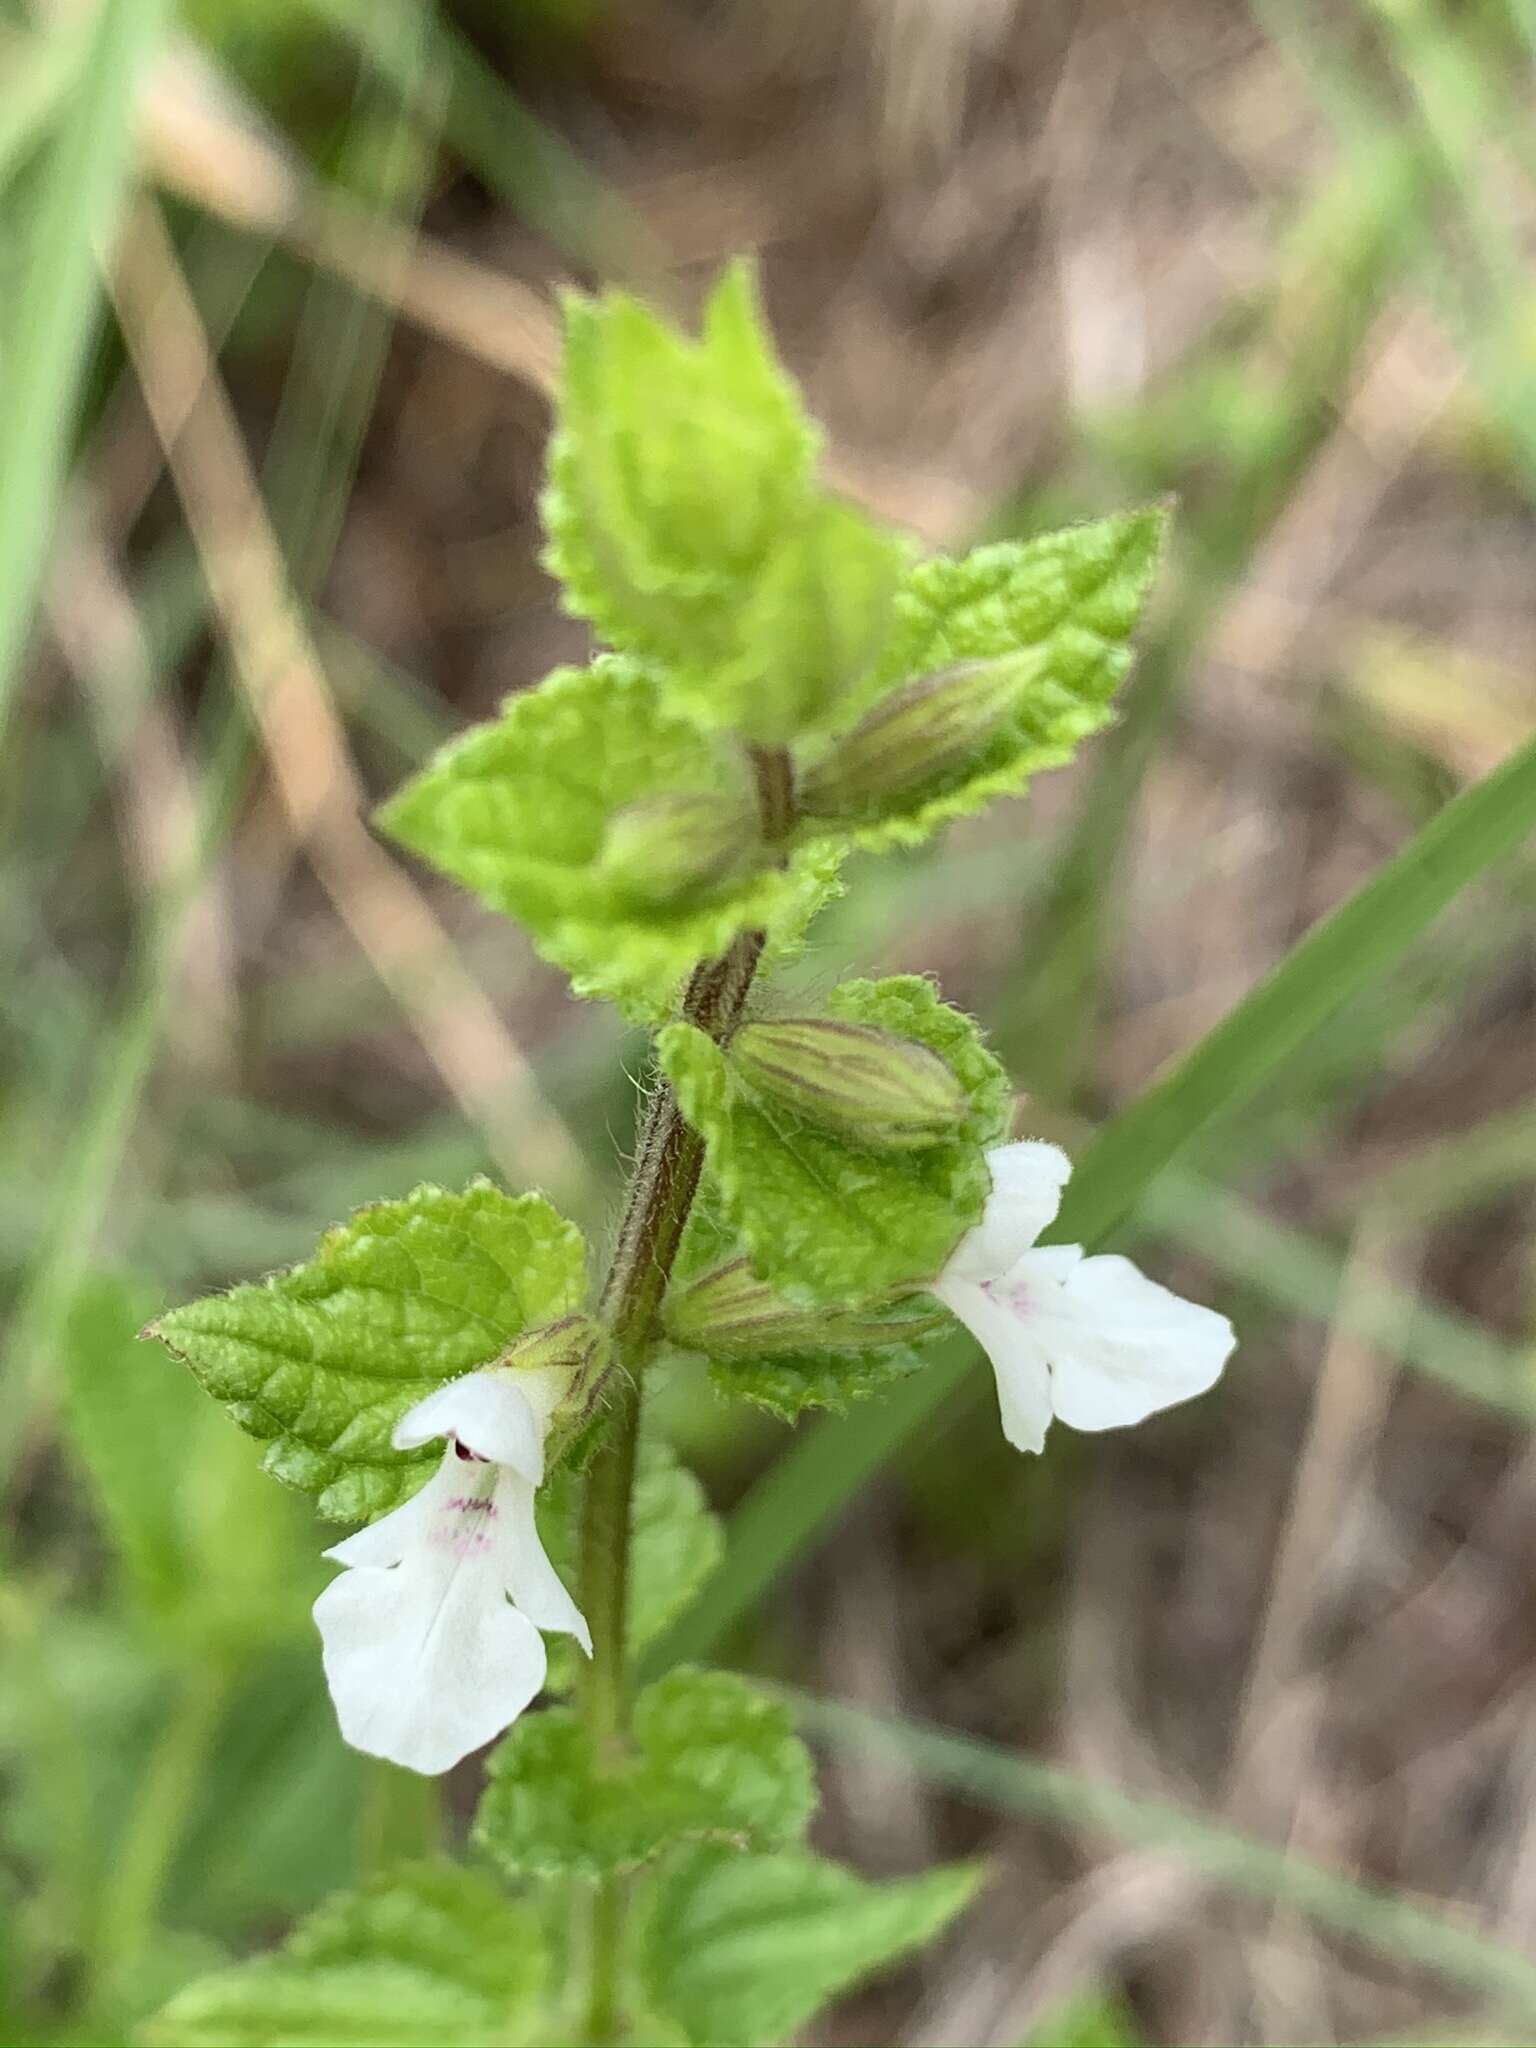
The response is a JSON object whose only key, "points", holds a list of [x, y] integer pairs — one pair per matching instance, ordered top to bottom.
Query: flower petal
{"points": [[1027, 1180], [1120, 1347], [1023, 1380], [488, 1413], [387, 1540], [536, 1587], [426, 1664]]}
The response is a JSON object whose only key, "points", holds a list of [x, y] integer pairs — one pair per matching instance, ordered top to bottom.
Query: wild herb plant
{"points": [[813, 1200]]}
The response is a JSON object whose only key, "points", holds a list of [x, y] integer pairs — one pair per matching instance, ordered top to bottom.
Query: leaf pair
{"points": [[684, 522], [612, 810], [531, 811], [436, 1956]]}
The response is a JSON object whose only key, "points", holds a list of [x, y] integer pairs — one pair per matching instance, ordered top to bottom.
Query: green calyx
{"points": [[925, 731], [522, 811], [676, 849], [880, 1089], [827, 1222], [729, 1313], [563, 1364]]}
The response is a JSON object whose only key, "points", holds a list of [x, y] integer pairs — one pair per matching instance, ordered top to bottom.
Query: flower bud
{"points": [[926, 729], [665, 850], [879, 1089], [730, 1313]]}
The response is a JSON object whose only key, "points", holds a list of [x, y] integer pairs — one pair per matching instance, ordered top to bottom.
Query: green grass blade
{"points": [[51, 321], [1336, 961], [1364, 1913]]}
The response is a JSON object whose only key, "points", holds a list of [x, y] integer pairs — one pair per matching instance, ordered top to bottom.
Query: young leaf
{"points": [[675, 470], [1071, 599], [811, 628], [520, 812], [822, 1220], [324, 1359], [674, 1545], [714, 1760], [742, 1951], [435, 1954]]}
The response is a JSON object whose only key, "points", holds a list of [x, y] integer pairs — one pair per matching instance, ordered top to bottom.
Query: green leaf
{"points": [[675, 471], [1073, 598], [813, 624], [518, 812], [823, 1220], [324, 1359], [791, 1382], [129, 1412], [204, 1541], [674, 1545], [714, 1760], [743, 1951], [434, 1954]]}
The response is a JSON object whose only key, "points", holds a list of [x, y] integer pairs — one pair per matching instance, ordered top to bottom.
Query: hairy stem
{"points": [[668, 1158]]}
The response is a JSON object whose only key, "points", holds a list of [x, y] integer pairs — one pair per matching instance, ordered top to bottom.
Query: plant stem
{"points": [[668, 1159]]}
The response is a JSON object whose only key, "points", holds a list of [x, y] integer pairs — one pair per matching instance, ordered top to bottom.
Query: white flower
{"points": [[1092, 1341], [431, 1639]]}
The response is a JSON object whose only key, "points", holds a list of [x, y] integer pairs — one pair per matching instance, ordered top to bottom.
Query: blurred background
{"points": [[276, 337]]}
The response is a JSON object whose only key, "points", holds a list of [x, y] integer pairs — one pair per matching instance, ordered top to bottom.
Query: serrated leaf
{"points": [[675, 469], [1074, 597], [517, 811], [821, 1219], [324, 1359], [789, 1383], [130, 1410], [675, 1543], [713, 1760], [742, 1951], [435, 1954]]}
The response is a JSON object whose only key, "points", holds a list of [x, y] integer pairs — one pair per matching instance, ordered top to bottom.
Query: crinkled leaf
{"points": [[675, 470], [1075, 596], [812, 626], [517, 811], [824, 1220], [324, 1359], [789, 1383], [675, 1542], [713, 1760], [743, 1951], [435, 1954]]}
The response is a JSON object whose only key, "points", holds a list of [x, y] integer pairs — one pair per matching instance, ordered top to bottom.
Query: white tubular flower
{"points": [[1092, 1341], [431, 1640]]}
